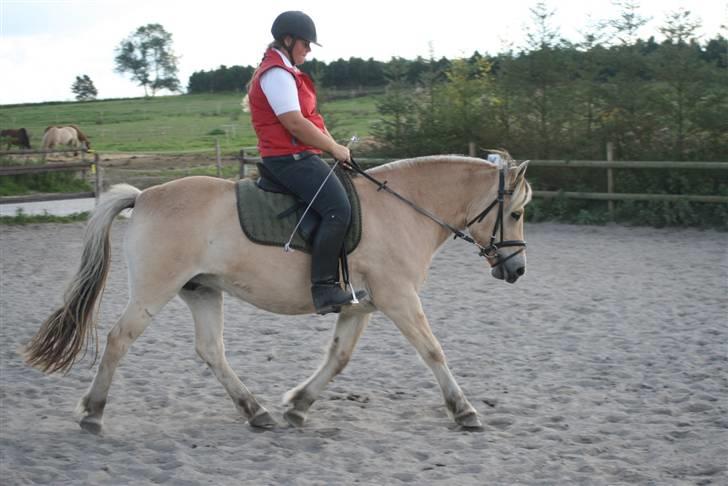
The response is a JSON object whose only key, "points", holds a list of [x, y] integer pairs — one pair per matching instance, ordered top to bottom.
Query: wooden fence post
{"points": [[217, 157], [241, 172], [610, 179], [98, 183]]}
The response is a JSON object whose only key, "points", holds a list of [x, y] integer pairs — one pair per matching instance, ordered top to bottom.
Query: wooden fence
{"points": [[83, 166], [247, 166]]}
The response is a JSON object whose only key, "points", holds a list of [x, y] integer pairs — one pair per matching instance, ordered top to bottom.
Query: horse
{"points": [[69, 135], [15, 136], [184, 238]]}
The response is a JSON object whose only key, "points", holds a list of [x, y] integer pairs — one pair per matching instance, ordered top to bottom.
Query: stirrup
{"points": [[328, 298]]}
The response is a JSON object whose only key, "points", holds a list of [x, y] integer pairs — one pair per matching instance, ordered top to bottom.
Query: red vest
{"points": [[273, 138]]}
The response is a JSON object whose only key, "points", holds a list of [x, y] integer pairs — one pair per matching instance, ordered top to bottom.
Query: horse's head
{"points": [[24, 138], [498, 225]]}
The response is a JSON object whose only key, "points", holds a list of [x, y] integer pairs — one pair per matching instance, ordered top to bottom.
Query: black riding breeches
{"points": [[303, 177]]}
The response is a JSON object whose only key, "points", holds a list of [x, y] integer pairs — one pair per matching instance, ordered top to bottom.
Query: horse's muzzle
{"points": [[511, 270]]}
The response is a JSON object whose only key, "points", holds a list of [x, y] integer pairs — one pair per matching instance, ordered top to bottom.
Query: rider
{"points": [[291, 137]]}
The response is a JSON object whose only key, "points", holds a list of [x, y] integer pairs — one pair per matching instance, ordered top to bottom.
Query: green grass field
{"points": [[173, 123]]}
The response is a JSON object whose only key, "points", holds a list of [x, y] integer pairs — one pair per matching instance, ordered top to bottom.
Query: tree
{"points": [[629, 21], [147, 54], [684, 74], [541, 80], [84, 88], [629, 115], [398, 123]]}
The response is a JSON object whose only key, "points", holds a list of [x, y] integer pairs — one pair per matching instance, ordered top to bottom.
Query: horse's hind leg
{"points": [[207, 311], [406, 312], [129, 327], [348, 330]]}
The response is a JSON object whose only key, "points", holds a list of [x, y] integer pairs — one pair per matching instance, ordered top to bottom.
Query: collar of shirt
{"points": [[285, 59]]}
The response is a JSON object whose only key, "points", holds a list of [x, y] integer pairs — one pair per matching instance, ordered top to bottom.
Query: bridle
{"points": [[491, 251], [488, 252]]}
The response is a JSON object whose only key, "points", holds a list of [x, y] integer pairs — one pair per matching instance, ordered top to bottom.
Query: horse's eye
{"points": [[516, 216]]}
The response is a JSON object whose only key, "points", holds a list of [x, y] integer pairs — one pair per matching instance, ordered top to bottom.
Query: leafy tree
{"points": [[627, 25], [148, 56], [587, 59], [683, 76], [541, 81], [84, 88], [468, 94], [630, 117], [398, 124]]}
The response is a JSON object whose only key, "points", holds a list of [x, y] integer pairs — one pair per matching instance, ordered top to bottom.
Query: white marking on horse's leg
{"points": [[206, 305], [407, 314], [129, 327], [346, 334]]}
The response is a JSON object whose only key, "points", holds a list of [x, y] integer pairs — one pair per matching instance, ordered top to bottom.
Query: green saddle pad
{"points": [[259, 212]]}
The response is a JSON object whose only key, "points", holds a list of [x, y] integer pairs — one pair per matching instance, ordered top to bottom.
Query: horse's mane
{"points": [[81, 136], [505, 159], [522, 192]]}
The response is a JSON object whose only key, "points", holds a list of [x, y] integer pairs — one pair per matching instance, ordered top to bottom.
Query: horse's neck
{"points": [[446, 188]]}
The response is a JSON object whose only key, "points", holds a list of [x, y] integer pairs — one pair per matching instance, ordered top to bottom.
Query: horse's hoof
{"points": [[295, 417], [263, 420], [469, 420], [92, 426]]}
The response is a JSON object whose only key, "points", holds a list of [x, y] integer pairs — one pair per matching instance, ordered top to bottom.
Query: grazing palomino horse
{"points": [[70, 135], [13, 136], [184, 239]]}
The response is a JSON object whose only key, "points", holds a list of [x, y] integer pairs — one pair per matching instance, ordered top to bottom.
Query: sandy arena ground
{"points": [[606, 364]]}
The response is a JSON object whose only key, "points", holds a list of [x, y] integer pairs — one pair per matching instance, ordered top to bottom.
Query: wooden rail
{"points": [[49, 151], [629, 164], [37, 169], [9, 170], [620, 196]]}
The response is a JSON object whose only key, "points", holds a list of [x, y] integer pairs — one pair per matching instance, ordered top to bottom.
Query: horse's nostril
{"points": [[521, 271]]}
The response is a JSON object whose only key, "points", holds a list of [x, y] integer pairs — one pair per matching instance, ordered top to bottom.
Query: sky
{"points": [[45, 44]]}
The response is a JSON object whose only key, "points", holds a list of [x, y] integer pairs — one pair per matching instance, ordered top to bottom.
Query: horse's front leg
{"points": [[405, 310], [348, 330]]}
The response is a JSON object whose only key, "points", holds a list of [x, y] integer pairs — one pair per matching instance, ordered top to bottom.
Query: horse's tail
{"points": [[47, 139], [62, 336]]}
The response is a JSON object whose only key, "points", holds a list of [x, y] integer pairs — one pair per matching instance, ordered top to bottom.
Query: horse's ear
{"points": [[522, 170]]}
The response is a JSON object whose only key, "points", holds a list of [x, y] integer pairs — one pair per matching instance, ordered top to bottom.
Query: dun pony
{"points": [[184, 239]]}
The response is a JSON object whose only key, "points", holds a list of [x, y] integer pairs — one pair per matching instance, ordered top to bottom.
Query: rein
{"points": [[488, 252]]}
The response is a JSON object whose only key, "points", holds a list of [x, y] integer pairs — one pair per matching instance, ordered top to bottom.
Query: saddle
{"points": [[268, 213]]}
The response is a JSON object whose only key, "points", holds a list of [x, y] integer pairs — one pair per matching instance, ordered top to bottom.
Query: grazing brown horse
{"points": [[15, 136], [184, 239]]}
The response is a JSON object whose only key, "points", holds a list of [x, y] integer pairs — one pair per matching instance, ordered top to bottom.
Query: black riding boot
{"points": [[328, 296]]}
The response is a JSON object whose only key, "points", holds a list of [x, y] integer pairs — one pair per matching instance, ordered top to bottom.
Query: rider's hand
{"points": [[341, 153]]}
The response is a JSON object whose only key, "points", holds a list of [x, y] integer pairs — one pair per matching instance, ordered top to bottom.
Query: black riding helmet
{"points": [[296, 24]]}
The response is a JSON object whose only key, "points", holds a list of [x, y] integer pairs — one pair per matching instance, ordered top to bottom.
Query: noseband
{"points": [[488, 252]]}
